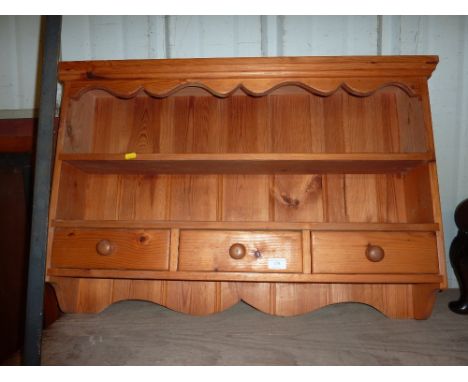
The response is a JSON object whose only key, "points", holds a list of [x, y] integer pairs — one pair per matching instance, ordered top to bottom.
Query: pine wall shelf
{"points": [[290, 183]]}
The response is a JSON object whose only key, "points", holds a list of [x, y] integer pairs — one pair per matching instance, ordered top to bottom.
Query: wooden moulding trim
{"points": [[249, 67], [256, 87], [222, 225], [253, 277]]}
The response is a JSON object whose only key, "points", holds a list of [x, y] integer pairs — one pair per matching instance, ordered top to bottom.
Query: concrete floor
{"points": [[141, 333]]}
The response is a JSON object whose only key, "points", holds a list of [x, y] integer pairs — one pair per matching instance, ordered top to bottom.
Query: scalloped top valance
{"points": [[222, 76]]}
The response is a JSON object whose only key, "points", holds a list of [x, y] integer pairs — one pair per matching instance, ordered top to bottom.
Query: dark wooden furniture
{"points": [[16, 175], [14, 228], [459, 258]]}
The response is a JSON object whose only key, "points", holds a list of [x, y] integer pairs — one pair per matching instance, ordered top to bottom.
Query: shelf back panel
{"points": [[283, 121], [330, 198]]}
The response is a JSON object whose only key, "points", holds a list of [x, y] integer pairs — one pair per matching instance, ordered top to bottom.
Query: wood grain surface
{"points": [[249, 67], [387, 121], [306, 160], [247, 163], [329, 198], [131, 249], [209, 251], [345, 252], [387, 278], [81, 295]]}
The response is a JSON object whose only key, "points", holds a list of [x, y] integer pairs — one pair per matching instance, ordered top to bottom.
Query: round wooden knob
{"points": [[104, 247], [237, 251], [374, 253]]}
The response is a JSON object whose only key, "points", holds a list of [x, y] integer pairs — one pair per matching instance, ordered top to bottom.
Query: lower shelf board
{"points": [[160, 224], [246, 276], [87, 295]]}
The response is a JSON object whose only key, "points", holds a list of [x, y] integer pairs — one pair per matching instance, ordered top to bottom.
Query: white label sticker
{"points": [[277, 263]]}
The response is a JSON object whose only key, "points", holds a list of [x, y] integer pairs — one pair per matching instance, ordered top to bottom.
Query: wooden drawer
{"points": [[120, 249], [265, 251], [347, 252]]}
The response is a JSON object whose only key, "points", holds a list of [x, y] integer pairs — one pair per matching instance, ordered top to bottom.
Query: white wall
{"points": [[125, 37], [19, 49]]}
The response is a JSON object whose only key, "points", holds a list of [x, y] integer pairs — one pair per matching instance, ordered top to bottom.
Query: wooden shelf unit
{"points": [[320, 171]]}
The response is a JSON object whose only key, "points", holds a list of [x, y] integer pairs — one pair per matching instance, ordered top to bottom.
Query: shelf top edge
{"points": [[259, 67], [224, 157], [246, 225]]}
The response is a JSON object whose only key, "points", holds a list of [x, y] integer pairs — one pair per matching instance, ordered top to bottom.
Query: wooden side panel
{"points": [[79, 125], [418, 197], [71, 201], [438, 218], [130, 249], [208, 250], [345, 252], [424, 297]]}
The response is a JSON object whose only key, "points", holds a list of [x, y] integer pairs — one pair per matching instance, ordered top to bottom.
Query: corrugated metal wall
{"points": [[124, 37], [19, 47]]}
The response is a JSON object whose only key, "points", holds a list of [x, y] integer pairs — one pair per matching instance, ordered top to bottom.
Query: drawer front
{"points": [[110, 249], [240, 251], [374, 252]]}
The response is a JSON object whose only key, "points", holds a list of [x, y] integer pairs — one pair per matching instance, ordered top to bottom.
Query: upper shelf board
{"points": [[246, 163]]}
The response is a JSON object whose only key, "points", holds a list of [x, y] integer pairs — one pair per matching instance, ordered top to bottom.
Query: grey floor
{"points": [[141, 333]]}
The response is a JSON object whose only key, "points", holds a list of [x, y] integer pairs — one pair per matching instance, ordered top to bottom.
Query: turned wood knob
{"points": [[104, 247], [237, 251], [374, 253]]}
